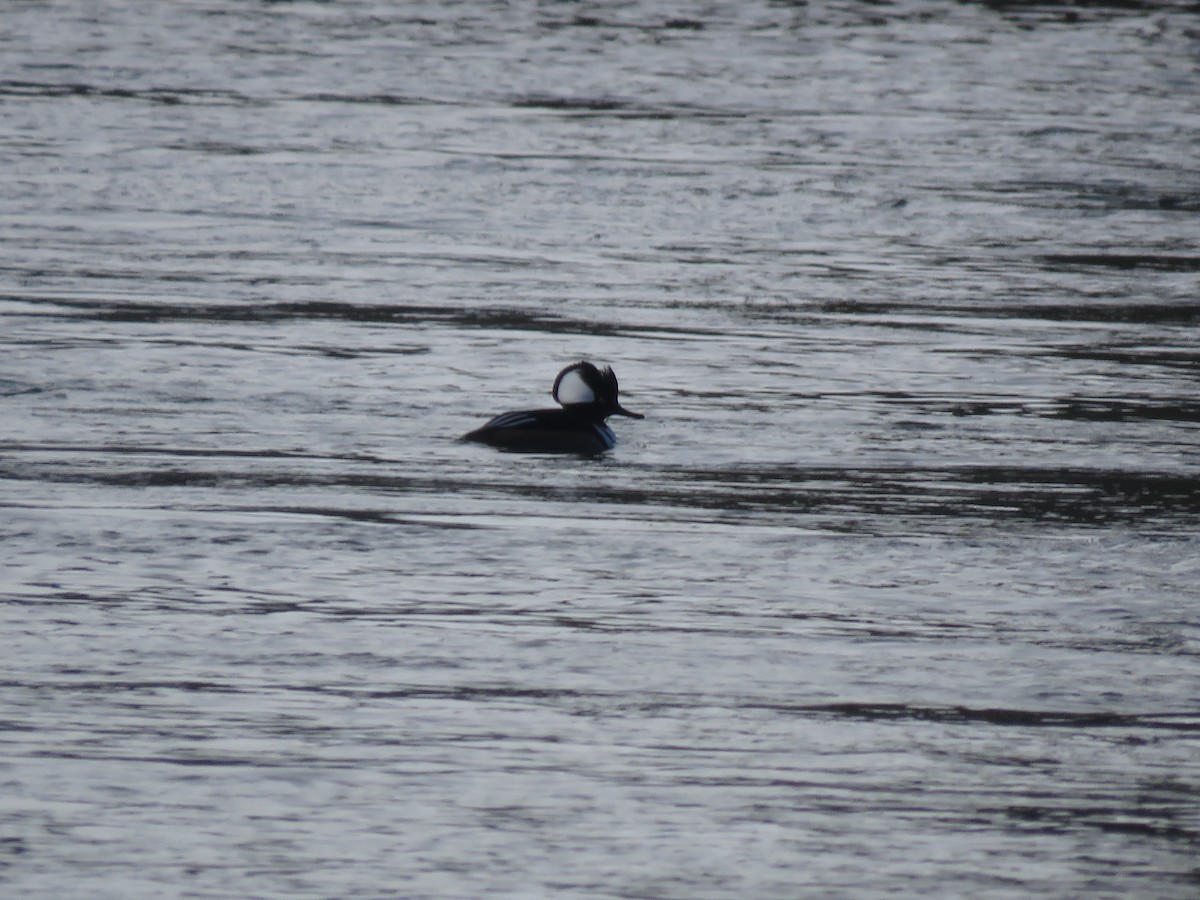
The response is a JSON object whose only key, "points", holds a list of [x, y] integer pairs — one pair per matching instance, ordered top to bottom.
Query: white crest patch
{"points": [[571, 389]]}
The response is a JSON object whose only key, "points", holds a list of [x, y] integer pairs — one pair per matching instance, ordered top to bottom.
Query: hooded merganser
{"points": [[587, 395]]}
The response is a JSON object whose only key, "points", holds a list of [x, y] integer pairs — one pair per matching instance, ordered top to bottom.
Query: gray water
{"points": [[894, 590]]}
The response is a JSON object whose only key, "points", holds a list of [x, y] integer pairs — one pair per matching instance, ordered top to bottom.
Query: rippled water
{"points": [[893, 591]]}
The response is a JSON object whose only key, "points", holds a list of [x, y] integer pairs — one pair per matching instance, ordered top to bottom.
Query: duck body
{"points": [[588, 397], [545, 431]]}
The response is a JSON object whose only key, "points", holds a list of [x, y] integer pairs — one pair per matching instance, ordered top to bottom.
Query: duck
{"points": [[588, 396]]}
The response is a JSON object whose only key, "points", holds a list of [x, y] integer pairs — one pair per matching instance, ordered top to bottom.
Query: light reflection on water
{"points": [[893, 590]]}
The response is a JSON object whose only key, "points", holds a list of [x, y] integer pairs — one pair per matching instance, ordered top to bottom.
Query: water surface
{"points": [[893, 590]]}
